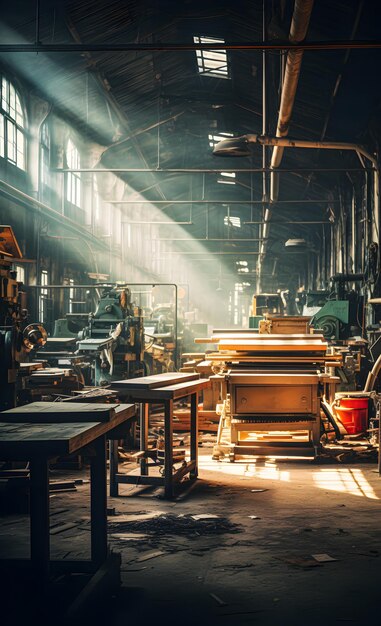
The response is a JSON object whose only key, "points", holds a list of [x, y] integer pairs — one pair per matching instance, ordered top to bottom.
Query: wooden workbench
{"points": [[159, 390], [39, 443]]}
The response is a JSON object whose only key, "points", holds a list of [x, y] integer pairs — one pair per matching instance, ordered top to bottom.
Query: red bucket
{"points": [[353, 412]]}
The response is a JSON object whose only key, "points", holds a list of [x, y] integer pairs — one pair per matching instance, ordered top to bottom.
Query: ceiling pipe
{"points": [[298, 31], [240, 146]]}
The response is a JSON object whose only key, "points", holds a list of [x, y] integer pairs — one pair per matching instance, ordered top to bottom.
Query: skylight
{"points": [[211, 62], [215, 139], [231, 220]]}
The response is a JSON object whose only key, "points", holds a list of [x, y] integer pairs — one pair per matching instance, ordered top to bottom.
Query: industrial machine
{"points": [[337, 314], [16, 337], [114, 337], [272, 385]]}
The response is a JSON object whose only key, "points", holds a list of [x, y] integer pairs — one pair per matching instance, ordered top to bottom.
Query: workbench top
{"points": [[51, 412], [23, 440]]}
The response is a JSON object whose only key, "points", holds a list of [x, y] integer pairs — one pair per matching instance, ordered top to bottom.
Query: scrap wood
{"points": [[64, 485], [169, 524], [62, 527], [130, 536], [150, 555], [323, 558], [299, 561], [219, 601]]}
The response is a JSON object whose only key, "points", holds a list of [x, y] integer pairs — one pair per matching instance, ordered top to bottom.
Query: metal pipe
{"points": [[298, 30], [344, 44], [264, 104], [298, 143], [225, 147], [187, 170], [224, 202], [166, 222], [293, 222], [353, 231], [192, 239], [181, 252], [372, 376]]}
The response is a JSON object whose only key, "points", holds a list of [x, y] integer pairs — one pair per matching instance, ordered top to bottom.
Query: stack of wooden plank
{"points": [[37, 381], [207, 420]]}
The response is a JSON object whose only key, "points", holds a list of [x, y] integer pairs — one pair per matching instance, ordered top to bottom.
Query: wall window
{"points": [[12, 125], [45, 155], [73, 179], [96, 209], [232, 220], [20, 273], [71, 295], [42, 303]]}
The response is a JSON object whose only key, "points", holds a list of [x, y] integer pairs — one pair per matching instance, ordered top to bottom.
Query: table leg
{"points": [[144, 419], [194, 434], [168, 448], [114, 462], [98, 476], [39, 520]]}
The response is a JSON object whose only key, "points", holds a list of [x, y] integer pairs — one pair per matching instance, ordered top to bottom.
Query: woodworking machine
{"points": [[114, 337], [16, 338], [272, 389]]}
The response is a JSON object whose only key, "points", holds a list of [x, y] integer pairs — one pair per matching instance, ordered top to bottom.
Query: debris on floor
{"points": [[169, 524], [150, 555], [323, 558], [219, 601]]}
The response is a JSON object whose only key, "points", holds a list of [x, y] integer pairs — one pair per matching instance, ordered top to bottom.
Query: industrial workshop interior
{"points": [[190, 312]]}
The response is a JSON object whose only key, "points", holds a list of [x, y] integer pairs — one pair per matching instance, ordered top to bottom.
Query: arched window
{"points": [[12, 125], [45, 155], [73, 179]]}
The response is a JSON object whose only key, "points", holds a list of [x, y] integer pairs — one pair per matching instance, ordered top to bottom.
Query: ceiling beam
{"points": [[344, 44]]}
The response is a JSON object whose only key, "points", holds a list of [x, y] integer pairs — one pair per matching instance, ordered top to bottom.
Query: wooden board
{"points": [[216, 338], [272, 345], [27, 368], [152, 382], [59, 412], [25, 440], [28, 440]]}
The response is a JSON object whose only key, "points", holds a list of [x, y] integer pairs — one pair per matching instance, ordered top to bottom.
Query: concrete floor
{"points": [[263, 574]]}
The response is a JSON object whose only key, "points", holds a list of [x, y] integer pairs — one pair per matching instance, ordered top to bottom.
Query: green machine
{"points": [[341, 317], [332, 318]]}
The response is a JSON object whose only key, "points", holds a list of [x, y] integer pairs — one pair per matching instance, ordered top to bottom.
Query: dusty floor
{"points": [[261, 572]]}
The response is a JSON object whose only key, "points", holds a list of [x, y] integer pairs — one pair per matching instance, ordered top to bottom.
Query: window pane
{"points": [[4, 94], [12, 102], [19, 112], [2, 139], [11, 141], [20, 150], [68, 187]]}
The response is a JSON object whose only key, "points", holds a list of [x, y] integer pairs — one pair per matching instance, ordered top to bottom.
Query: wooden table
{"points": [[159, 390], [39, 443]]}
